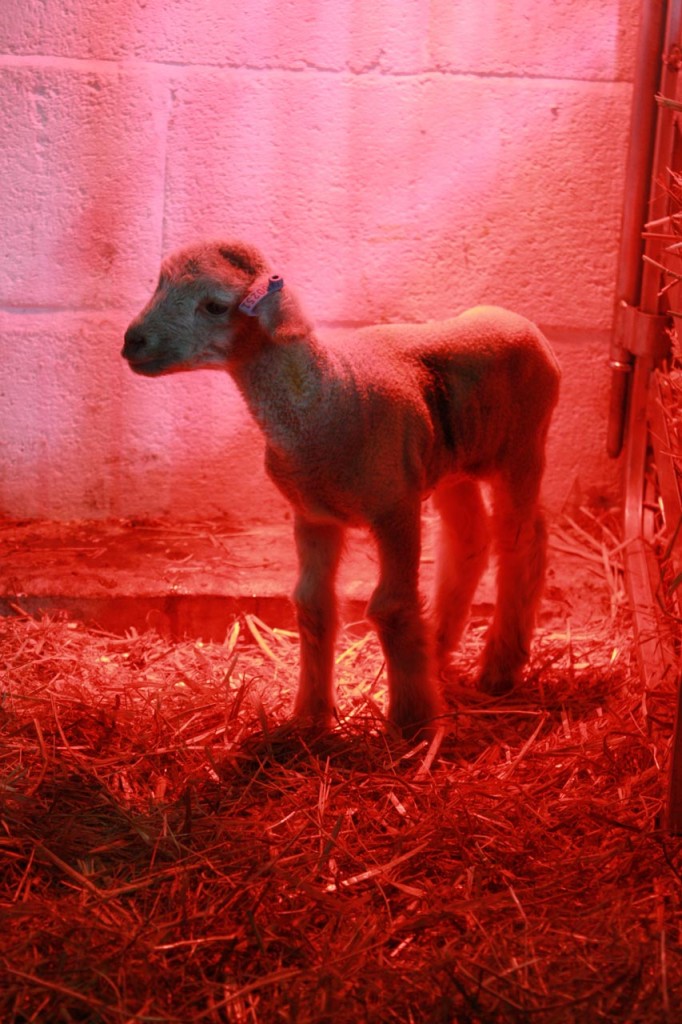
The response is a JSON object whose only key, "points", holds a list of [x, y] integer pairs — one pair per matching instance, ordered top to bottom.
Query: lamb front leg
{"points": [[319, 547]]}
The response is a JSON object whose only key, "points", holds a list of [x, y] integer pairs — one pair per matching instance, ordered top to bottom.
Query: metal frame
{"points": [[640, 340]]}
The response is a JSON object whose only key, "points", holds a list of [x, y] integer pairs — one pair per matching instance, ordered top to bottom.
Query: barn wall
{"points": [[396, 160]]}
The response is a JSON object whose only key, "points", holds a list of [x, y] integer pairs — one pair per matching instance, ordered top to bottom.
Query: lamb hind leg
{"points": [[521, 541], [319, 548], [463, 548], [396, 611]]}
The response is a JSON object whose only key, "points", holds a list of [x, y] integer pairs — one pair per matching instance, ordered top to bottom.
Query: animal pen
{"points": [[174, 849]]}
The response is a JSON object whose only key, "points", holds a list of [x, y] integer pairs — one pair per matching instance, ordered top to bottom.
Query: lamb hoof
{"points": [[497, 683], [312, 723], [416, 724], [289, 740]]}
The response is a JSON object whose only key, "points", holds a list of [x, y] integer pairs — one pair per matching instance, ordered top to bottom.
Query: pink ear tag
{"points": [[263, 286]]}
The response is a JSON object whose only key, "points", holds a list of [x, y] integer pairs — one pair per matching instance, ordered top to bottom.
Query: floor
{"points": [[193, 578]]}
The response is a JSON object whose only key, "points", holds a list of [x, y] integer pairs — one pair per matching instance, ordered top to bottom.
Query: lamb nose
{"points": [[135, 342]]}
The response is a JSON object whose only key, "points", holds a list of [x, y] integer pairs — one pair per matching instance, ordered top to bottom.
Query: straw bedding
{"points": [[171, 852]]}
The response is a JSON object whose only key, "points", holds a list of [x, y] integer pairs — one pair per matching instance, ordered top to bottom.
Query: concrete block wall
{"points": [[396, 161]]}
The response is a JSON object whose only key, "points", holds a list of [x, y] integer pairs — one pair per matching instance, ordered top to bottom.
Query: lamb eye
{"points": [[215, 308]]}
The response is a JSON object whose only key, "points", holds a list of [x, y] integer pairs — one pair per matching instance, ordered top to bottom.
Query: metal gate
{"points": [[649, 305]]}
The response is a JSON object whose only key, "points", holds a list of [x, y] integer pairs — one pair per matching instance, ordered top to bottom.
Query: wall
{"points": [[400, 159]]}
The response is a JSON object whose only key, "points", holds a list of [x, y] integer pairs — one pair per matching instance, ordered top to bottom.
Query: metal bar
{"points": [[638, 180], [642, 348], [665, 469], [672, 510], [648, 640]]}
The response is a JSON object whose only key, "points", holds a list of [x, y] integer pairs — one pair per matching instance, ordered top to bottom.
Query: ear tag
{"points": [[262, 287]]}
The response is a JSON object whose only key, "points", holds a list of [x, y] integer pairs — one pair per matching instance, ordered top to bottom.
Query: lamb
{"points": [[360, 434]]}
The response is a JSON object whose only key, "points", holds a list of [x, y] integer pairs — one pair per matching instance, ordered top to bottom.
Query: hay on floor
{"points": [[172, 852]]}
